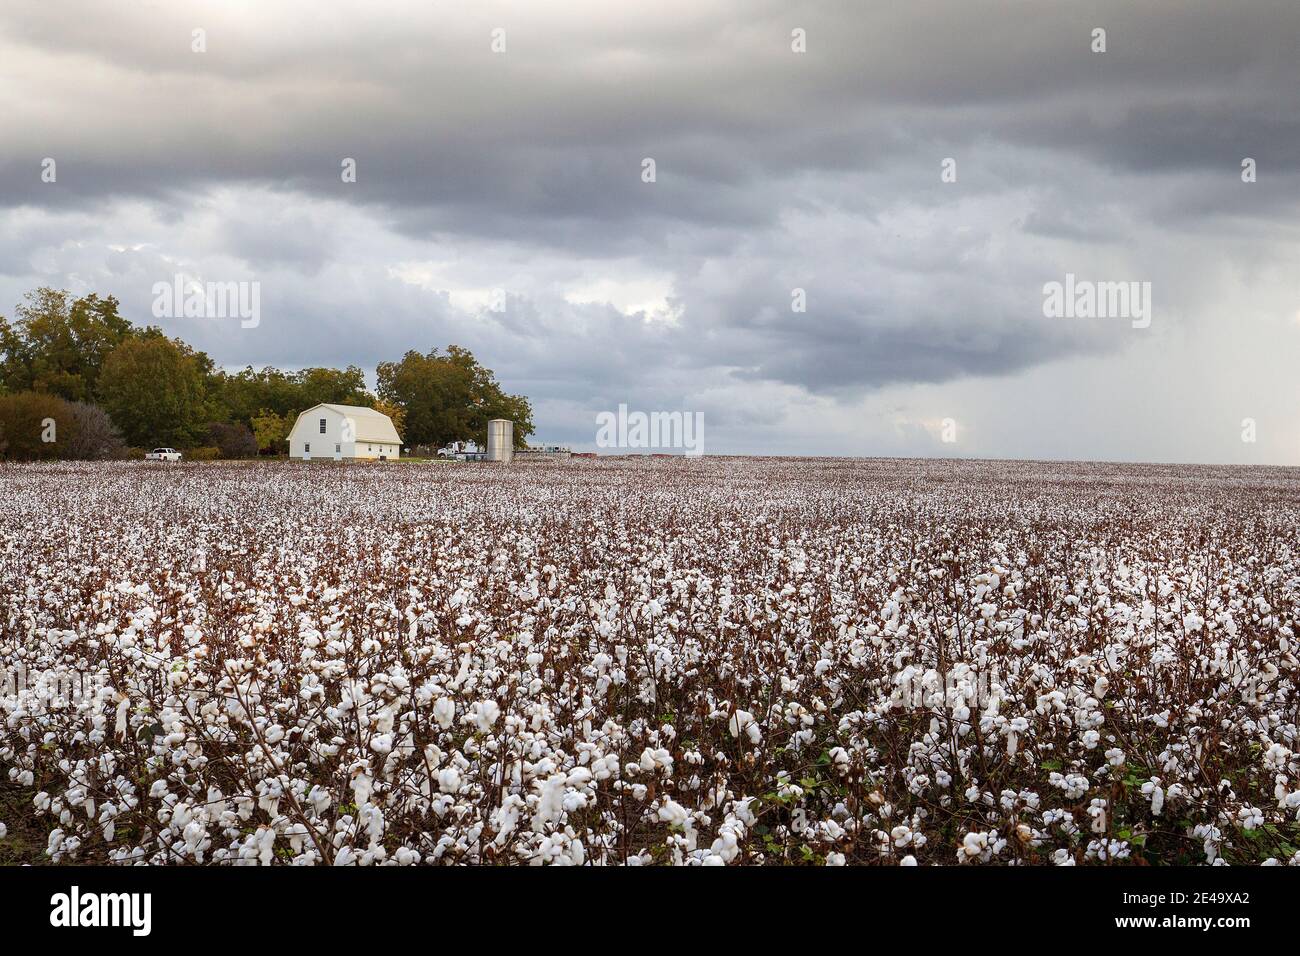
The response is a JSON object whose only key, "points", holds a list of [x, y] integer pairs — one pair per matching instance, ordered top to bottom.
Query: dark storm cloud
{"points": [[437, 121], [775, 171]]}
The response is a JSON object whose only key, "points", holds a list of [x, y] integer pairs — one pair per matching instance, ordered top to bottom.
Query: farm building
{"points": [[344, 431]]}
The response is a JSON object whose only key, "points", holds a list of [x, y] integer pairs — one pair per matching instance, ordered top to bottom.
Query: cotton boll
{"points": [[444, 712], [485, 715], [743, 721], [656, 760], [578, 777], [449, 780], [1156, 794], [319, 799], [550, 805], [1097, 811], [673, 813], [1250, 818], [901, 836], [973, 844], [727, 846], [406, 856]]}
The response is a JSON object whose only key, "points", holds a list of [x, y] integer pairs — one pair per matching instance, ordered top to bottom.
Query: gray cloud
{"points": [[776, 171]]}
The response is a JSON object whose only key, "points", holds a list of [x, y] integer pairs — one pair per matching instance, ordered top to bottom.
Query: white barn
{"points": [[344, 431]]}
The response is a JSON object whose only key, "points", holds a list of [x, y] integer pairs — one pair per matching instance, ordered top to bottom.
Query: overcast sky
{"points": [[775, 170]]}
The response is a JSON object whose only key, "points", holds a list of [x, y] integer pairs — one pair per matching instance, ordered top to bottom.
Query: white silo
{"points": [[501, 440]]}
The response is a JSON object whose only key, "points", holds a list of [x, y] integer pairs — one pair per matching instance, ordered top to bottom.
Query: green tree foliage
{"points": [[59, 344], [346, 387], [155, 389], [431, 393], [245, 394], [449, 398], [396, 413], [35, 426], [271, 430]]}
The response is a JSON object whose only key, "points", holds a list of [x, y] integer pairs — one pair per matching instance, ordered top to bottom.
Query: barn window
{"points": [[322, 426], [306, 448], [337, 448]]}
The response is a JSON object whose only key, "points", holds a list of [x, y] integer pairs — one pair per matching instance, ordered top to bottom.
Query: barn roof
{"points": [[370, 424]]}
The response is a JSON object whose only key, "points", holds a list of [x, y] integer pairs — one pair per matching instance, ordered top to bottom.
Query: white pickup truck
{"points": [[163, 454]]}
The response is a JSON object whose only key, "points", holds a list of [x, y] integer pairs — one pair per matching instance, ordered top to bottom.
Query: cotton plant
{"points": [[637, 663]]}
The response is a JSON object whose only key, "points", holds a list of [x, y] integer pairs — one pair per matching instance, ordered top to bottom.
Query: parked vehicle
{"points": [[163, 454]]}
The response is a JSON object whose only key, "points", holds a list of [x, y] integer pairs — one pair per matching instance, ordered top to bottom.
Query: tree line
{"points": [[80, 381]]}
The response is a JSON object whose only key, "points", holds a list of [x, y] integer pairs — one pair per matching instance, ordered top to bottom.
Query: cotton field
{"points": [[646, 661]]}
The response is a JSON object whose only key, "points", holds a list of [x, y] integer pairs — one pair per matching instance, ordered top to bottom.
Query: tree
{"points": [[59, 344], [320, 385], [155, 390], [250, 392], [432, 395], [449, 398], [487, 400], [516, 408], [396, 413], [34, 426], [271, 430], [94, 436], [234, 439]]}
